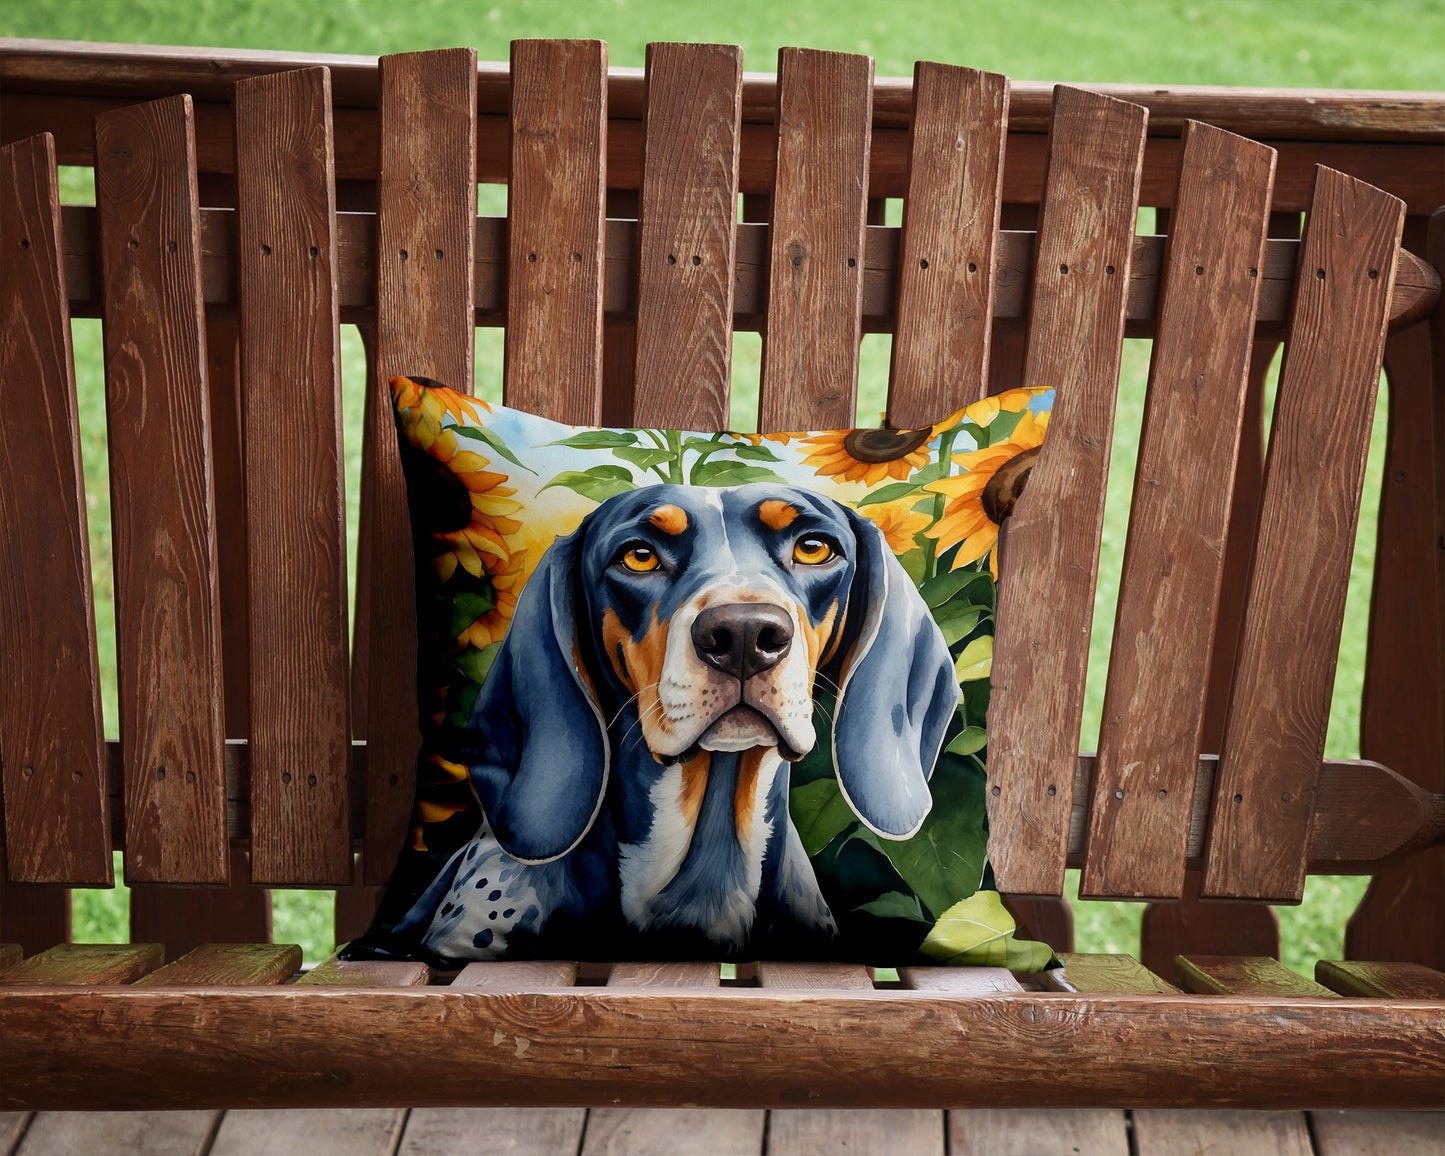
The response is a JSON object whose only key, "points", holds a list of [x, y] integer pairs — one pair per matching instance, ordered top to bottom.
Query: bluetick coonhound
{"points": [[631, 741]]}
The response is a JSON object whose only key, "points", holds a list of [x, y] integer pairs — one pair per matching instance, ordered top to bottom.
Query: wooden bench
{"points": [[248, 203]]}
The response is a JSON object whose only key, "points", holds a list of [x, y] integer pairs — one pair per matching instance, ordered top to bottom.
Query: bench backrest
{"points": [[241, 695]]}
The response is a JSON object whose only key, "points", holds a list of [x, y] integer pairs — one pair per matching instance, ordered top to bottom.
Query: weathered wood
{"points": [[555, 206], [687, 236], [816, 260], [424, 267], [947, 267], [1081, 274], [168, 631], [1153, 714], [1275, 733], [56, 818], [300, 830], [34, 915], [183, 918], [1192, 925], [10, 953], [228, 963], [85, 964], [337, 972], [1097, 972], [517, 975], [664, 975], [1243, 975], [814, 976], [959, 980], [1382, 980], [732, 1047], [13, 1125], [515, 1131], [1031, 1131], [1172, 1131], [334, 1132], [674, 1132], [878, 1132], [134, 1133], [1340, 1133]]}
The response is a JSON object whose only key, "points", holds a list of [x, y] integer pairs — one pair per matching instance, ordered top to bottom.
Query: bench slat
{"points": [[555, 207], [687, 236], [425, 258], [816, 259], [947, 265], [1051, 548], [168, 643], [1153, 713], [1275, 733], [300, 746], [56, 818], [183, 918], [228, 963], [83, 964], [337, 972], [1097, 972], [517, 975], [664, 975], [1243, 975], [817, 976], [959, 980], [1382, 980]]}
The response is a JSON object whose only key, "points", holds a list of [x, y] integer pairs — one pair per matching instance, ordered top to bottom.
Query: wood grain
{"points": [[555, 206], [426, 217], [687, 236], [816, 259], [947, 267], [1081, 274], [163, 523], [1153, 714], [1275, 733], [300, 745], [56, 818], [34, 915], [183, 918], [1194, 926], [10, 953], [228, 963], [69, 964], [337, 972], [1097, 972], [517, 975], [669, 975], [1243, 975], [814, 976], [959, 980], [1382, 980], [730, 1048], [515, 1131], [1031, 1131], [334, 1132], [674, 1132], [1169, 1132], [134, 1133], [867, 1133], [1378, 1133]]}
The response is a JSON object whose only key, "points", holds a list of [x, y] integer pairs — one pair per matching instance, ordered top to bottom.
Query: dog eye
{"points": [[812, 550], [640, 559]]}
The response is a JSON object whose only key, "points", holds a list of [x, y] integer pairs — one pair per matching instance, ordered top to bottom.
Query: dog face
{"points": [[717, 610], [714, 611]]}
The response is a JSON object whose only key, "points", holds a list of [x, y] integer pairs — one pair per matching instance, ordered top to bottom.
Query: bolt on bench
{"points": [[248, 204]]}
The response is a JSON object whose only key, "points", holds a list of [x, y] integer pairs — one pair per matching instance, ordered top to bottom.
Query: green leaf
{"points": [[482, 434], [598, 439], [706, 445], [757, 453], [642, 456], [726, 472], [599, 483], [890, 493], [937, 591], [468, 606], [956, 628], [976, 661], [474, 663], [970, 740], [819, 813], [895, 905], [979, 931]]}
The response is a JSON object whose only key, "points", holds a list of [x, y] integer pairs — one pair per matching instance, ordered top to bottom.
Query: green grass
{"points": [[1332, 43]]}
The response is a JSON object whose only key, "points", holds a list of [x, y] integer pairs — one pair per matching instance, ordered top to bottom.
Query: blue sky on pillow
{"points": [[748, 599]]}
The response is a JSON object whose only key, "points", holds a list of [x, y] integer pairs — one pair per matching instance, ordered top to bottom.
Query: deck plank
{"points": [[312, 1131], [477, 1131], [1029, 1131], [1172, 1131], [674, 1132], [858, 1132], [131, 1133], [1379, 1133]]}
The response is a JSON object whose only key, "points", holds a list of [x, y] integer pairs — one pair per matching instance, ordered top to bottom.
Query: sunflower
{"points": [[781, 439], [868, 455], [981, 498], [898, 523], [507, 581], [439, 797]]}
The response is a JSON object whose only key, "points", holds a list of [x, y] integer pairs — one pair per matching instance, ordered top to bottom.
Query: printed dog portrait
{"points": [[630, 746]]}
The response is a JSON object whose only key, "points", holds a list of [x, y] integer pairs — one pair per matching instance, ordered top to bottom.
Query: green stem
{"points": [[674, 443], [940, 502]]}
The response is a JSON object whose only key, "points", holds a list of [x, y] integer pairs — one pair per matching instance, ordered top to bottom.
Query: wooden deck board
{"points": [[312, 1131], [1028, 1131], [138, 1133]]}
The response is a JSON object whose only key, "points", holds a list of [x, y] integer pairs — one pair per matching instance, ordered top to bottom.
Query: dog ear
{"points": [[896, 694], [539, 756]]}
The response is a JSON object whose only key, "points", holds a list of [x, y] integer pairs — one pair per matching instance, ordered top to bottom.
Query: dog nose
{"points": [[742, 639]]}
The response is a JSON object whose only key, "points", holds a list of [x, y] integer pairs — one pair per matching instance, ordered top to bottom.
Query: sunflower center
{"points": [[884, 445], [1002, 492]]}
